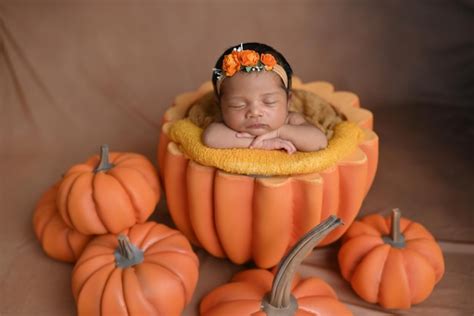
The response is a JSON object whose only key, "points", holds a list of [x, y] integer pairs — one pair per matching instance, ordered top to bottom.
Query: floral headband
{"points": [[248, 60]]}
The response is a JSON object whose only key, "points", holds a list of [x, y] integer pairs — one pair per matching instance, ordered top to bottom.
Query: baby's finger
{"points": [[243, 135], [259, 139], [257, 142], [288, 146]]}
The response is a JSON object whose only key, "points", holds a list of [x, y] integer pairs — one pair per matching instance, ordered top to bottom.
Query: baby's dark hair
{"points": [[261, 49]]}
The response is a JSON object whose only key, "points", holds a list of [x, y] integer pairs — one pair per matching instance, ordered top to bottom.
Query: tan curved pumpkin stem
{"points": [[104, 163], [396, 238], [127, 254], [280, 301]]}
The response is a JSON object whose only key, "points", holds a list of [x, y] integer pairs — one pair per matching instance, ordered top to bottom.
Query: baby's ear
{"points": [[289, 99]]}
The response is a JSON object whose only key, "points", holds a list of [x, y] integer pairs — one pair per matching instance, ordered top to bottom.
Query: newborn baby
{"points": [[253, 88]]}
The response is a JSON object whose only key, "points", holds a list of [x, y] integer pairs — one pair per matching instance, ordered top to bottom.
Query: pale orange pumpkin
{"points": [[108, 193], [270, 213], [58, 241], [391, 261], [148, 270], [259, 292]]}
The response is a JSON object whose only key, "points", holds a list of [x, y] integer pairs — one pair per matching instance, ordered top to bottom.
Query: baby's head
{"points": [[252, 82]]}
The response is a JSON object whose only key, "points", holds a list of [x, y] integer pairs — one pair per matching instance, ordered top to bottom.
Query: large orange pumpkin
{"points": [[108, 193], [209, 205], [57, 239], [391, 261], [149, 270], [259, 292]]}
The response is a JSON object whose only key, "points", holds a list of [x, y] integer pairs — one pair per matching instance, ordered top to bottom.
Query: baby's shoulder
{"points": [[295, 118]]}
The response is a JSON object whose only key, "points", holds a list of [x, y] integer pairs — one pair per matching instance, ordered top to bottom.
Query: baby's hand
{"points": [[259, 139], [276, 143]]}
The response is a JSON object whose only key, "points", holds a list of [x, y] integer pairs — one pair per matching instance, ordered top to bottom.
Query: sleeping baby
{"points": [[252, 83]]}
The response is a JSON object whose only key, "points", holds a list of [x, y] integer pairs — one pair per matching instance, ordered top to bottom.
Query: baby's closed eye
{"points": [[270, 102], [236, 105]]}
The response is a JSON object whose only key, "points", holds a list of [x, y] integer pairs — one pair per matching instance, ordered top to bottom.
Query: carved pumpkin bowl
{"points": [[257, 214]]}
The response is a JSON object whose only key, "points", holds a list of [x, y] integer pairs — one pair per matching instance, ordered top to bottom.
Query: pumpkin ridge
{"points": [[117, 157], [124, 158], [81, 168], [141, 172], [90, 177], [133, 202], [96, 204], [98, 208], [65, 212], [200, 214], [377, 222], [45, 224], [252, 224], [407, 227], [369, 228], [421, 231], [293, 232], [146, 236], [137, 240], [68, 241], [155, 241], [354, 242], [108, 243], [158, 251], [168, 251], [431, 257], [81, 262], [364, 262], [122, 273], [91, 275], [174, 275], [404, 279], [411, 287], [137, 289], [299, 290], [110, 292], [379, 293], [102, 295], [222, 296], [234, 300], [323, 301], [219, 305]]}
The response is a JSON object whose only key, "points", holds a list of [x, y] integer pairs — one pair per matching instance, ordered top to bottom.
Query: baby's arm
{"points": [[218, 135], [304, 136]]}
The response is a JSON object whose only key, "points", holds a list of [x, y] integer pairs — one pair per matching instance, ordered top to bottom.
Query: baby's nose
{"points": [[254, 111]]}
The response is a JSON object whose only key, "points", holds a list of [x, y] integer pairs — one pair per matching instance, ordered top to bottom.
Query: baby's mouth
{"points": [[257, 126]]}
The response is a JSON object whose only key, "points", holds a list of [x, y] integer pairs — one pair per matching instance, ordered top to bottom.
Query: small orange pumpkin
{"points": [[98, 196], [58, 241], [391, 261], [149, 270], [258, 292]]}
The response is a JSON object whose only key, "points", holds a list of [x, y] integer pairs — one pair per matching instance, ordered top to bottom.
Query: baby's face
{"points": [[254, 102]]}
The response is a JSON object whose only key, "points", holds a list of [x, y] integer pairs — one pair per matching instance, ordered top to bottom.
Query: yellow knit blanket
{"points": [[344, 140]]}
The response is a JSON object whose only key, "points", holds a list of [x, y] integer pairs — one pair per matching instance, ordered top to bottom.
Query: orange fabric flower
{"points": [[248, 58], [268, 60], [231, 64]]}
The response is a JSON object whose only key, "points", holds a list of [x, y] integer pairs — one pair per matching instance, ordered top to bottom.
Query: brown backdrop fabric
{"points": [[77, 74]]}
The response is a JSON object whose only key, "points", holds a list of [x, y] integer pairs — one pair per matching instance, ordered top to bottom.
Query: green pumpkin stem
{"points": [[104, 163], [396, 238], [127, 254], [280, 301]]}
